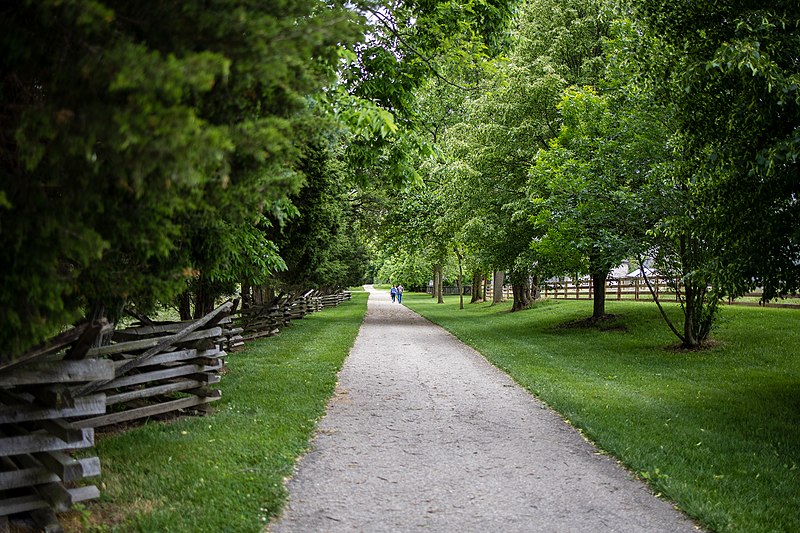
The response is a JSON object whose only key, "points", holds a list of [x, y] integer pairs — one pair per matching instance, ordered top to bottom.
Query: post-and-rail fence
{"points": [[615, 289], [633, 289], [636, 289], [53, 397]]}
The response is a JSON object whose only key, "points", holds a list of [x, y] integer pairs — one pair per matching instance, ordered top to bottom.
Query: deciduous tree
{"points": [[738, 108]]}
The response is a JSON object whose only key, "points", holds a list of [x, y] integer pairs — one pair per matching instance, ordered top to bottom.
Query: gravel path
{"points": [[424, 435]]}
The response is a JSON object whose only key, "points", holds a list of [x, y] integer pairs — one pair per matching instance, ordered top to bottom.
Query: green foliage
{"points": [[413, 41], [410, 43], [653, 68], [738, 106], [141, 138], [489, 151], [589, 192], [320, 245], [407, 268], [711, 430]]}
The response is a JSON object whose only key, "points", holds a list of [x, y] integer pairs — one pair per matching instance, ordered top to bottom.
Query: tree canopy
{"points": [[738, 109], [641, 131], [134, 133], [153, 149], [158, 152]]}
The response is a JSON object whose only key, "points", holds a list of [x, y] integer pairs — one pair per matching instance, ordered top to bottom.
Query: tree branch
{"points": [[425, 59], [658, 302]]}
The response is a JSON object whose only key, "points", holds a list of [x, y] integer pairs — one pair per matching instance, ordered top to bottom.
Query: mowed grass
{"points": [[717, 431], [225, 471]]}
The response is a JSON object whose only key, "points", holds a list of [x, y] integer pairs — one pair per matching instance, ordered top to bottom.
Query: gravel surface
{"points": [[423, 434]]}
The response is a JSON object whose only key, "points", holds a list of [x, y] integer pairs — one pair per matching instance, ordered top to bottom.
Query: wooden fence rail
{"points": [[615, 289], [634, 289], [508, 293], [267, 320], [53, 397], [37, 475]]}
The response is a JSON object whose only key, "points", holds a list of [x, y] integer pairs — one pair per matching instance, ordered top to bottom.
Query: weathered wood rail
{"points": [[615, 289], [634, 289], [507, 292], [321, 302], [267, 320], [160, 368], [53, 397], [37, 474]]}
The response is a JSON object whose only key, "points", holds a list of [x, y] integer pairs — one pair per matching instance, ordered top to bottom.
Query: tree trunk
{"points": [[460, 279], [498, 279], [437, 283], [535, 287], [440, 288], [268, 293], [477, 293], [522, 293], [262, 294], [599, 295], [247, 296], [203, 299], [692, 299], [185, 305], [99, 312], [690, 340]]}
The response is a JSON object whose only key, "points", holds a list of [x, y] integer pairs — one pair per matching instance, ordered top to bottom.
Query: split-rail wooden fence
{"points": [[267, 319], [54, 397]]}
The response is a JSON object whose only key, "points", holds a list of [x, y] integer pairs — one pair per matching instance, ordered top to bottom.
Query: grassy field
{"points": [[717, 431], [225, 471]]}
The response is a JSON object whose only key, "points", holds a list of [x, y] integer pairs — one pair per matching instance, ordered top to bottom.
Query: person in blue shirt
{"points": [[393, 292]]}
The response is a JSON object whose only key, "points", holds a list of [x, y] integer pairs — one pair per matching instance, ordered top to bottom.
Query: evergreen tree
{"points": [[138, 142]]}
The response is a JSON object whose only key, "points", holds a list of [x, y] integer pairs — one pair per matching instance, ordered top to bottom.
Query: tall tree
{"points": [[558, 44], [736, 64], [126, 125], [590, 187], [318, 245], [685, 252]]}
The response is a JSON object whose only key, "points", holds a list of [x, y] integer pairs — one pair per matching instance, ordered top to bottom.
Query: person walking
{"points": [[393, 292], [399, 293]]}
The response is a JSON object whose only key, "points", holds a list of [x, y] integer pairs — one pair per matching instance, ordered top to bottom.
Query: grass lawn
{"points": [[717, 431], [225, 471]]}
